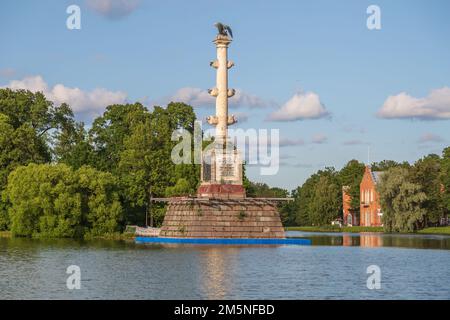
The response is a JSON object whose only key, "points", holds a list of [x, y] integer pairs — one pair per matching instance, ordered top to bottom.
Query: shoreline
{"points": [[426, 231]]}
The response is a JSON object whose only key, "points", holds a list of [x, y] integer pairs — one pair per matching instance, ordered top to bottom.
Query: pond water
{"points": [[333, 267]]}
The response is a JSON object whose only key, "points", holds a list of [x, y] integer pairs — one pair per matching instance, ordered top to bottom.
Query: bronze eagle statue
{"points": [[223, 29]]}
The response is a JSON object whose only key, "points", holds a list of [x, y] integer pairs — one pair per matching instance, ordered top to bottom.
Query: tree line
{"points": [[59, 178], [412, 196]]}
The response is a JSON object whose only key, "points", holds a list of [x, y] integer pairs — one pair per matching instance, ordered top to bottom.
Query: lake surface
{"points": [[334, 267]]}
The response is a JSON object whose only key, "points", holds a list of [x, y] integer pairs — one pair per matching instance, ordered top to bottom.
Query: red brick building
{"points": [[370, 210], [349, 218]]}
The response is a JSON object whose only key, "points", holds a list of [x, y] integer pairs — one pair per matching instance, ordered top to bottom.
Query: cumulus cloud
{"points": [[113, 9], [201, 98], [93, 102], [300, 106], [403, 106], [430, 137]]}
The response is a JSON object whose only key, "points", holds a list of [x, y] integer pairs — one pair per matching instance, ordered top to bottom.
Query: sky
{"points": [[335, 89]]}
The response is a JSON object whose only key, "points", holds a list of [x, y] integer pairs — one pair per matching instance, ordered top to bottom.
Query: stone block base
{"points": [[222, 218]]}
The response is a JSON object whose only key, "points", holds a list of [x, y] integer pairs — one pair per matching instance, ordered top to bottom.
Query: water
{"points": [[334, 267]]}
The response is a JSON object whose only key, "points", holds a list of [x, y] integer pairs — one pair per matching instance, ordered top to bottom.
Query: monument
{"points": [[221, 173], [221, 208]]}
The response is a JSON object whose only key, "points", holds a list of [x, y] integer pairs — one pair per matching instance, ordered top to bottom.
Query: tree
{"points": [[33, 109], [26, 120], [109, 131], [72, 146], [387, 164], [145, 165], [426, 172], [351, 176], [445, 177], [99, 191], [56, 201], [402, 201], [44, 202], [325, 204], [313, 207]]}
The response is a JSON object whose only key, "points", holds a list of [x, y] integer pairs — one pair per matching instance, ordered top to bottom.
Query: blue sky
{"points": [[155, 51]]}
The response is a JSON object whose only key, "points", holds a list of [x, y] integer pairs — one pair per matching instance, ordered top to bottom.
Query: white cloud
{"points": [[113, 9], [7, 72], [201, 98], [93, 102], [300, 106], [403, 106], [430, 137], [319, 138], [286, 142], [353, 142]]}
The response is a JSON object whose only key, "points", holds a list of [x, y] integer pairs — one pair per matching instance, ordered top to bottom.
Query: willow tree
{"points": [[402, 201]]}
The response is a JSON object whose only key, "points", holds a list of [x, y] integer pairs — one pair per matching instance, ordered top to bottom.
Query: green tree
{"points": [[26, 120], [109, 131], [72, 146], [387, 164], [146, 168], [426, 172], [351, 176], [445, 178], [99, 191], [56, 201], [402, 201], [44, 202], [326, 203], [311, 206]]}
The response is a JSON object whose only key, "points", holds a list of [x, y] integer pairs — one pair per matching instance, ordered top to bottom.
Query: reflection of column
{"points": [[216, 277]]}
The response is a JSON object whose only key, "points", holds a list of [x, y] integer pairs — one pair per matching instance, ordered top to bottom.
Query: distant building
{"points": [[370, 210], [350, 218]]}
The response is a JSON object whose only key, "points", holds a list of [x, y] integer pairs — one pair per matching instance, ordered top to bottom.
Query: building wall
{"points": [[370, 204], [346, 205]]}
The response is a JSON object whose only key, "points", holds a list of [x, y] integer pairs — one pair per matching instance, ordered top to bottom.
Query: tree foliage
{"points": [[56, 201], [402, 201]]}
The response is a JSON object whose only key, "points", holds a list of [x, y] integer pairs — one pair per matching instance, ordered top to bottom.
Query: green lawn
{"points": [[355, 229], [435, 230], [5, 234]]}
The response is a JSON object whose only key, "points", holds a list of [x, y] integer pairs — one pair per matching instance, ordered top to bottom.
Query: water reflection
{"points": [[374, 240], [216, 263]]}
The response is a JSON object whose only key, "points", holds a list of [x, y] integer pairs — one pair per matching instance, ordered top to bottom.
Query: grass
{"points": [[355, 229], [435, 230], [5, 234]]}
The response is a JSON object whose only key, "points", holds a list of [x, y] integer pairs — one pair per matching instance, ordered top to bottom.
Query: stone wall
{"points": [[222, 218]]}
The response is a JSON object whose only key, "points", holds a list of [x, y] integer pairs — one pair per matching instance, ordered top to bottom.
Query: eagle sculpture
{"points": [[223, 29]]}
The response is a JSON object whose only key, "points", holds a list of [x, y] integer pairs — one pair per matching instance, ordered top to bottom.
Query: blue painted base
{"points": [[248, 241]]}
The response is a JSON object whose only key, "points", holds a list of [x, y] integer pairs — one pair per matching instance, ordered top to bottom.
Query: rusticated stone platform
{"points": [[222, 218]]}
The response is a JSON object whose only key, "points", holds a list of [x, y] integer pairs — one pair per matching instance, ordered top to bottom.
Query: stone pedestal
{"points": [[222, 218]]}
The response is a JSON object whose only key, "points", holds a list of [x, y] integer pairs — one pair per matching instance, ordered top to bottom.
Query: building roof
{"points": [[376, 176]]}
